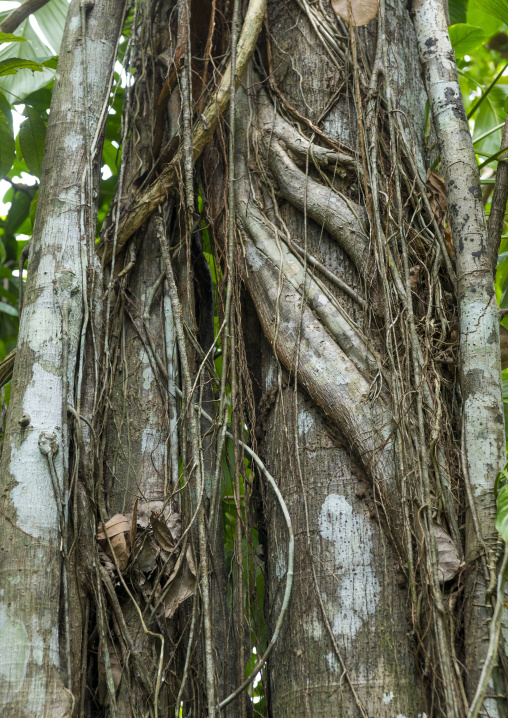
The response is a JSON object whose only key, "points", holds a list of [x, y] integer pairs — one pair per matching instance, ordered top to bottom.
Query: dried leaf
{"points": [[362, 11], [449, 242], [146, 509], [116, 524], [174, 524], [117, 528], [162, 534], [121, 550], [146, 559], [449, 561], [183, 584]]}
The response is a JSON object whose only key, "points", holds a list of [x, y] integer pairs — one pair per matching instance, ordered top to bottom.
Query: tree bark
{"points": [[39, 672]]}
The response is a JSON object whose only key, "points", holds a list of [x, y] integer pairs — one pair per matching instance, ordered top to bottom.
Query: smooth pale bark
{"points": [[480, 364], [33, 655]]}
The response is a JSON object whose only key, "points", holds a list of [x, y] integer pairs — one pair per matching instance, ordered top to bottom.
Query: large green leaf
{"points": [[498, 8], [458, 11], [476, 15], [51, 19], [9, 37], [466, 39], [11, 65], [17, 87], [6, 108], [491, 114], [32, 134], [7, 145], [8, 309]]}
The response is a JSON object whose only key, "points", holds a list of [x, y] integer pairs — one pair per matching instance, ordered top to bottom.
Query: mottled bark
{"points": [[480, 365], [35, 654], [357, 655]]}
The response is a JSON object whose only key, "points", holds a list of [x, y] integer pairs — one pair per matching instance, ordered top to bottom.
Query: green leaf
{"points": [[498, 8], [457, 10], [478, 14], [51, 19], [8, 37], [466, 39], [51, 62], [11, 65], [18, 86], [40, 100], [6, 108], [491, 114], [32, 134], [7, 145], [18, 212], [12, 298], [8, 309], [501, 494]]}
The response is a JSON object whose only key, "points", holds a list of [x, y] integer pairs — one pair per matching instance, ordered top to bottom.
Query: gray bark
{"points": [[480, 363], [34, 644], [356, 657]]}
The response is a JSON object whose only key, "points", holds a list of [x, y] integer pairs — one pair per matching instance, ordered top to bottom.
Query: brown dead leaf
{"points": [[362, 11], [449, 241], [145, 510], [116, 524], [117, 529], [162, 534], [121, 550], [146, 553], [449, 561], [183, 584]]}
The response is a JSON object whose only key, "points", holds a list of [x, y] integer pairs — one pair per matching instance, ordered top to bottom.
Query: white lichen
{"points": [[358, 591]]}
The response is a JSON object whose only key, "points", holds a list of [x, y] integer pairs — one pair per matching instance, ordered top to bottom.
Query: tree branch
{"points": [[16, 17]]}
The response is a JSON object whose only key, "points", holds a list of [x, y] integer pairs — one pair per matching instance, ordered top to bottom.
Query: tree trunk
{"points": [[341, 342], [41, 613]]}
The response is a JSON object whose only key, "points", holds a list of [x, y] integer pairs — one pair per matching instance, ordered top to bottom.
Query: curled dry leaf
{"points": [[362, 11], [146, 509], [116, 524], [117, 529], [162, 533], [146, 553], [449, 561], [183, 584]]}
